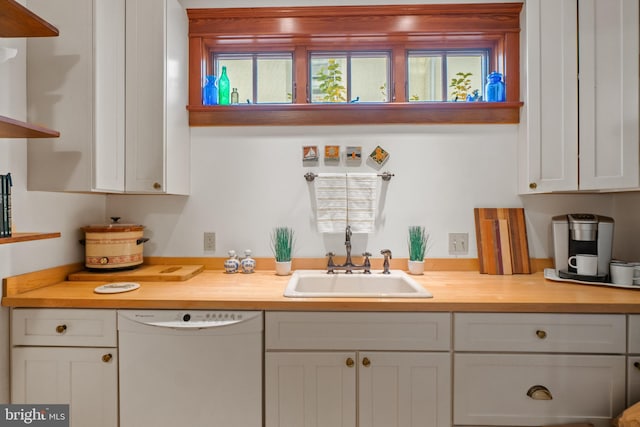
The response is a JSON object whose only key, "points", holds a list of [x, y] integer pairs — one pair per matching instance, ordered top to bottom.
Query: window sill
{"points": [[351, 114]]}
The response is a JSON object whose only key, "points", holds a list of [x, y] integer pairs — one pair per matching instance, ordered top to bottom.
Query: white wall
{"points": [[247, 180], [33, 211]]}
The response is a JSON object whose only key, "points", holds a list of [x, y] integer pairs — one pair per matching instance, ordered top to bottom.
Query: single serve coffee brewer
{"points": [[582, 234]]}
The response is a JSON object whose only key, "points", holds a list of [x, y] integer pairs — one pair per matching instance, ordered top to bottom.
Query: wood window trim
{"points": [[394, 28]]}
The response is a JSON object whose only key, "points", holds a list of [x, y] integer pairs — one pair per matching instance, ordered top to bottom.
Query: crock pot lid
{"points": [[115, 226], [106, 228]]}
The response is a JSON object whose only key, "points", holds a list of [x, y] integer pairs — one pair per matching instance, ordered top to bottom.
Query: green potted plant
{"points": [[331, 86], [461, 86], [282, 239], [418, 241]]}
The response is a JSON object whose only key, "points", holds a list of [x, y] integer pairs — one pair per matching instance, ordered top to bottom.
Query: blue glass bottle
{"points": [[223, 88], [494, 90], [210, 91]]}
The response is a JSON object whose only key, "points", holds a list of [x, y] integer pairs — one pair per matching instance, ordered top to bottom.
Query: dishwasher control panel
{"points": [[188, 318]]}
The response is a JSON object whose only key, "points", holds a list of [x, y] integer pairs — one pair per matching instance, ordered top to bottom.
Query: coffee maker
{"points": [[582, 234]]}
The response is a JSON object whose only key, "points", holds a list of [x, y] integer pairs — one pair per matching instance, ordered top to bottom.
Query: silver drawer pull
{"points": [[61, 329], [541, 334], [539, 392]]}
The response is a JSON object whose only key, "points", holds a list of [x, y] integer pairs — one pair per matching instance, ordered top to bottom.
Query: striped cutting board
{"points": [[501, 236]]}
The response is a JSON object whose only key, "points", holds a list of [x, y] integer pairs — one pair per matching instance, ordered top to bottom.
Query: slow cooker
{"points": [[113, 246]]}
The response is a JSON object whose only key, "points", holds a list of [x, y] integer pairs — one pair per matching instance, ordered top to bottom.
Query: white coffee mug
{"points": [[585, 264], [622, 273]]}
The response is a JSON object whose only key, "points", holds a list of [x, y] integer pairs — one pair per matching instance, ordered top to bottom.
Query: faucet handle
{"points": [[330, 254], [366, 254], [385, 264]]}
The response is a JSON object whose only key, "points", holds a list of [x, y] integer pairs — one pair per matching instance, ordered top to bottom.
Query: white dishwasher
{"points": [[190, 368]]}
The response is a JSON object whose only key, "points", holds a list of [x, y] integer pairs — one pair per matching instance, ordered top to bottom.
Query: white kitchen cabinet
{"points": [[580, 121], [157, 124], [111, 139], [548, 150], [66, 356], [633, 360], [520, 369], [407, 384], [310, 389], [537, 389]]}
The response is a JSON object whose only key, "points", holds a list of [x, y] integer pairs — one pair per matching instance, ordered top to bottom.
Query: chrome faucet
{"points": [[387, 257], [348, 265]]}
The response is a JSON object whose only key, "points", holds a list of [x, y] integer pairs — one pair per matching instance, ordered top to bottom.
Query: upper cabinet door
{"points": [[75, 82], [157, 128], [609, 146], [548, 152]]}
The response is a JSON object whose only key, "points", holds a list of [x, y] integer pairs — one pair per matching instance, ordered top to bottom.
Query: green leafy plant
{"points": [[330, 79], [461, 86], [383, 91], [282, 239], [418, 241]]}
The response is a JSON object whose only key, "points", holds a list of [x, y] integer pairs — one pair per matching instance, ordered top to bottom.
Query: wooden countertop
{"points": [[263, 290]]}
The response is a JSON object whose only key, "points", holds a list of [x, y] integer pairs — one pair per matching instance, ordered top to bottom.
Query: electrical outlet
{"points": [[209, 241], [458, 243]]}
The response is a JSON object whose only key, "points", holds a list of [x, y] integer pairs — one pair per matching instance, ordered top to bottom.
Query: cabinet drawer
{"points": [[63, 327], [357, 331], [567, 333], [634, 334], [492, 389]]}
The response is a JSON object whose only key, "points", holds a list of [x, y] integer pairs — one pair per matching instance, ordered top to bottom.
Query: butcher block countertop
{"points": [[458, 291]]}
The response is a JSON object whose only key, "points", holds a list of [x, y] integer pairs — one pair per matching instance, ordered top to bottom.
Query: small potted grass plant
{"points": [[418, 240], [282, 246]]}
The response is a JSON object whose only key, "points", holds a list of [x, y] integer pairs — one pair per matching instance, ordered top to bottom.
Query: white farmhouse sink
{"points": [[319, 284]]}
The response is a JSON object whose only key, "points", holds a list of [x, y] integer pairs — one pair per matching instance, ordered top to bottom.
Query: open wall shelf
{"points": [[18, 21], [11, 128], [25, 237]]}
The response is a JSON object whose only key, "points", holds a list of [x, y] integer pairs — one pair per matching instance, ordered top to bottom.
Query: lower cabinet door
{"points": [[84, 378], [633, 380], [311, 389], [392, 389], [398, 389], [525, 389]]}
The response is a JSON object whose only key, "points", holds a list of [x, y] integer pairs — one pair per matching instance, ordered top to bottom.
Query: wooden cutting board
{"points": [[501, 236], [144, 273]]}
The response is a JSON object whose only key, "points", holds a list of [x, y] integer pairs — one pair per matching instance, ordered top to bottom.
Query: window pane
{"points": [[467, 71], [240, 73], [446, 75], [370, 77], [425, 77], [274, 78], [328, 78]]}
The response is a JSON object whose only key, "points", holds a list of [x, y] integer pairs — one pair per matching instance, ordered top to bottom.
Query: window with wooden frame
{"points": [[355, 64]]}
